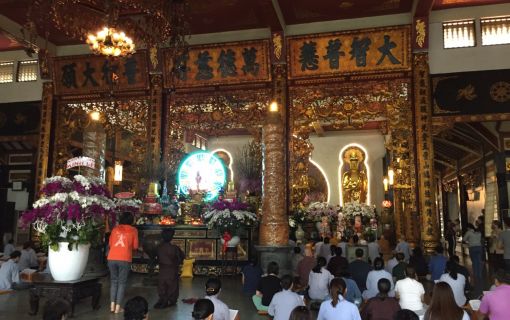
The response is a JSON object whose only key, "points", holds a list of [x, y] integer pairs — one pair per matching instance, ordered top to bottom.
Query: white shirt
{"points": [[343, 245], [8, 249], [373, 251], [28, 258], [391, 264], [9, 273], [373, 277], [319, 283], [457, 286], [410, 293], [282, 304], [221, 310], [344, 310]]}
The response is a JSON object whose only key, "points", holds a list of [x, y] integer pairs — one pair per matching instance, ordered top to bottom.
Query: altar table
{"points": [[72, 291]]}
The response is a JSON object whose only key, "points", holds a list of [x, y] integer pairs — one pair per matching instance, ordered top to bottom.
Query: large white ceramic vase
{"points": [[68, 265]]}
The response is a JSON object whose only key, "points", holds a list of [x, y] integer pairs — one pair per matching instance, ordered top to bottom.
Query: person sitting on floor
{"points": [[403, 246], [9, 248], [373, 248], [296, 257], [28, 259], [417, 260], [391, 263], [338, 264], [437, 264], [305, 266], [359, 270], [399, 271], [463, 271], [9, 272], [251, 274], [373, 278], [318, 280], [456, 281], [268, 286], [212, 290], [352, 292], [410, 292], [283, 302], [443, 306], [337, 307], [381, 307], [136, 308], [57, 309], [203, 310], [301, 313], [406, 314]]}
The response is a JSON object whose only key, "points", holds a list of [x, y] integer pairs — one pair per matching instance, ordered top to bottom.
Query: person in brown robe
{"points": [[170, 258]]}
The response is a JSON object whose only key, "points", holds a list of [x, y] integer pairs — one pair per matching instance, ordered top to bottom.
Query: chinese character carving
{"points": [[385, 49], [359, 50], [333, 53], [308, 58], [227, 60], [202, 63], [250, 64], [181, 67], [130, 70], [110, 72], [88, 73], [69, 75]]}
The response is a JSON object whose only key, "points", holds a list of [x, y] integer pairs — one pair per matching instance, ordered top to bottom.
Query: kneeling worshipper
{"points": [[9, 272], [374, 276], [212, 290], [284, 302]]}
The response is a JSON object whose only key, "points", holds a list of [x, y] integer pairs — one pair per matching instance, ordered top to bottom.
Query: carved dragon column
{"points": [[44, 135], [425, 153]]}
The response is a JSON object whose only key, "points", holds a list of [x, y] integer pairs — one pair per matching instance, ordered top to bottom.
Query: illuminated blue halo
{"points": [[205, 167]]}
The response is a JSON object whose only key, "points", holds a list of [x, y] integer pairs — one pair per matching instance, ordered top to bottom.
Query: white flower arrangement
{"points": [[352, 209], [228, 220]]}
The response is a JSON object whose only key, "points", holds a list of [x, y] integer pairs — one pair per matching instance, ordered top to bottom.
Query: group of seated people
{"points": [[14, 262], [363, 290]]}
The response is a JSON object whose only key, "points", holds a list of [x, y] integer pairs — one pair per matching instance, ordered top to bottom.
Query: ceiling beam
{"points": [[267, 11], [15, 30], [485, 134], [456, 145], [444, 163]]}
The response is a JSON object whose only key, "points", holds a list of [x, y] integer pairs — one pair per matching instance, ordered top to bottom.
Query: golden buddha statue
{"points": [[354, 182]]}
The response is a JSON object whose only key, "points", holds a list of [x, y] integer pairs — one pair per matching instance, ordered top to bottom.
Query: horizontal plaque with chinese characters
{"points": [[350, 52], [228, 63], [88, 74]]}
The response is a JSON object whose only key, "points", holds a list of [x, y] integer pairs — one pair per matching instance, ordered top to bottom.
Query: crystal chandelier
{"points": [[110, 42]]}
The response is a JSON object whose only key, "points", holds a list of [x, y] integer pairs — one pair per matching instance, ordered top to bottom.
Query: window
{"points": [[495, 31], [459, 34], [27, 70], [6, 71]]}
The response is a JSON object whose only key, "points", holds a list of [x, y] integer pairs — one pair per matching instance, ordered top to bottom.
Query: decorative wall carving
{"points": [[44, 134]]}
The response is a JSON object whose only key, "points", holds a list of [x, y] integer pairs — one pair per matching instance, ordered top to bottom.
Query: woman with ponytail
{"points": [[318, 280], [456, 281], [212, 290], [337, 308], [203, 310]]}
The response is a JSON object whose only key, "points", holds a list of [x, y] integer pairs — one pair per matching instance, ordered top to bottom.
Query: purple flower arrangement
{"points": [[70, 210]]}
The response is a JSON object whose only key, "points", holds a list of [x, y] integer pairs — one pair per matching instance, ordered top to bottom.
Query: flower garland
{"points": [[352, 209], [70, 210], [228, 216]]}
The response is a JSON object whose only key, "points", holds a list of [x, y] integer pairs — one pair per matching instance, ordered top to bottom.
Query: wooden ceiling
{"points": [[206, 16]]}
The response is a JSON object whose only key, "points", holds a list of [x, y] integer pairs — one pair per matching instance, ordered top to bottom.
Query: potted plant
{"points": [[69, 216], [228, 217]]}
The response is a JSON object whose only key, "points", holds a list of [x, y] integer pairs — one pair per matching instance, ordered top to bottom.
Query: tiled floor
{"points": [[15, 306]]}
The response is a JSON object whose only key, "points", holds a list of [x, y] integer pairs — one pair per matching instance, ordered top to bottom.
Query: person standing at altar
{"points": [[123, 240], [170, 257]]}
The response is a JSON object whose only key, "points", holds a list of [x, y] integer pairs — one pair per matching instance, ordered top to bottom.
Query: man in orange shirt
{"points": [[123, 240]]}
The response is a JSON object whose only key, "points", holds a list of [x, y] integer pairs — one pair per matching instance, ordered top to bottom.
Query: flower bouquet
{"points": [[130, 205], [353, 209], [317, 210], [70, 211], [228, 216], [297, 217]]}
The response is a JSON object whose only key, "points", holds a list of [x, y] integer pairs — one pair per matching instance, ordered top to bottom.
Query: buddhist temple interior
{"points": [[252, 127]]}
